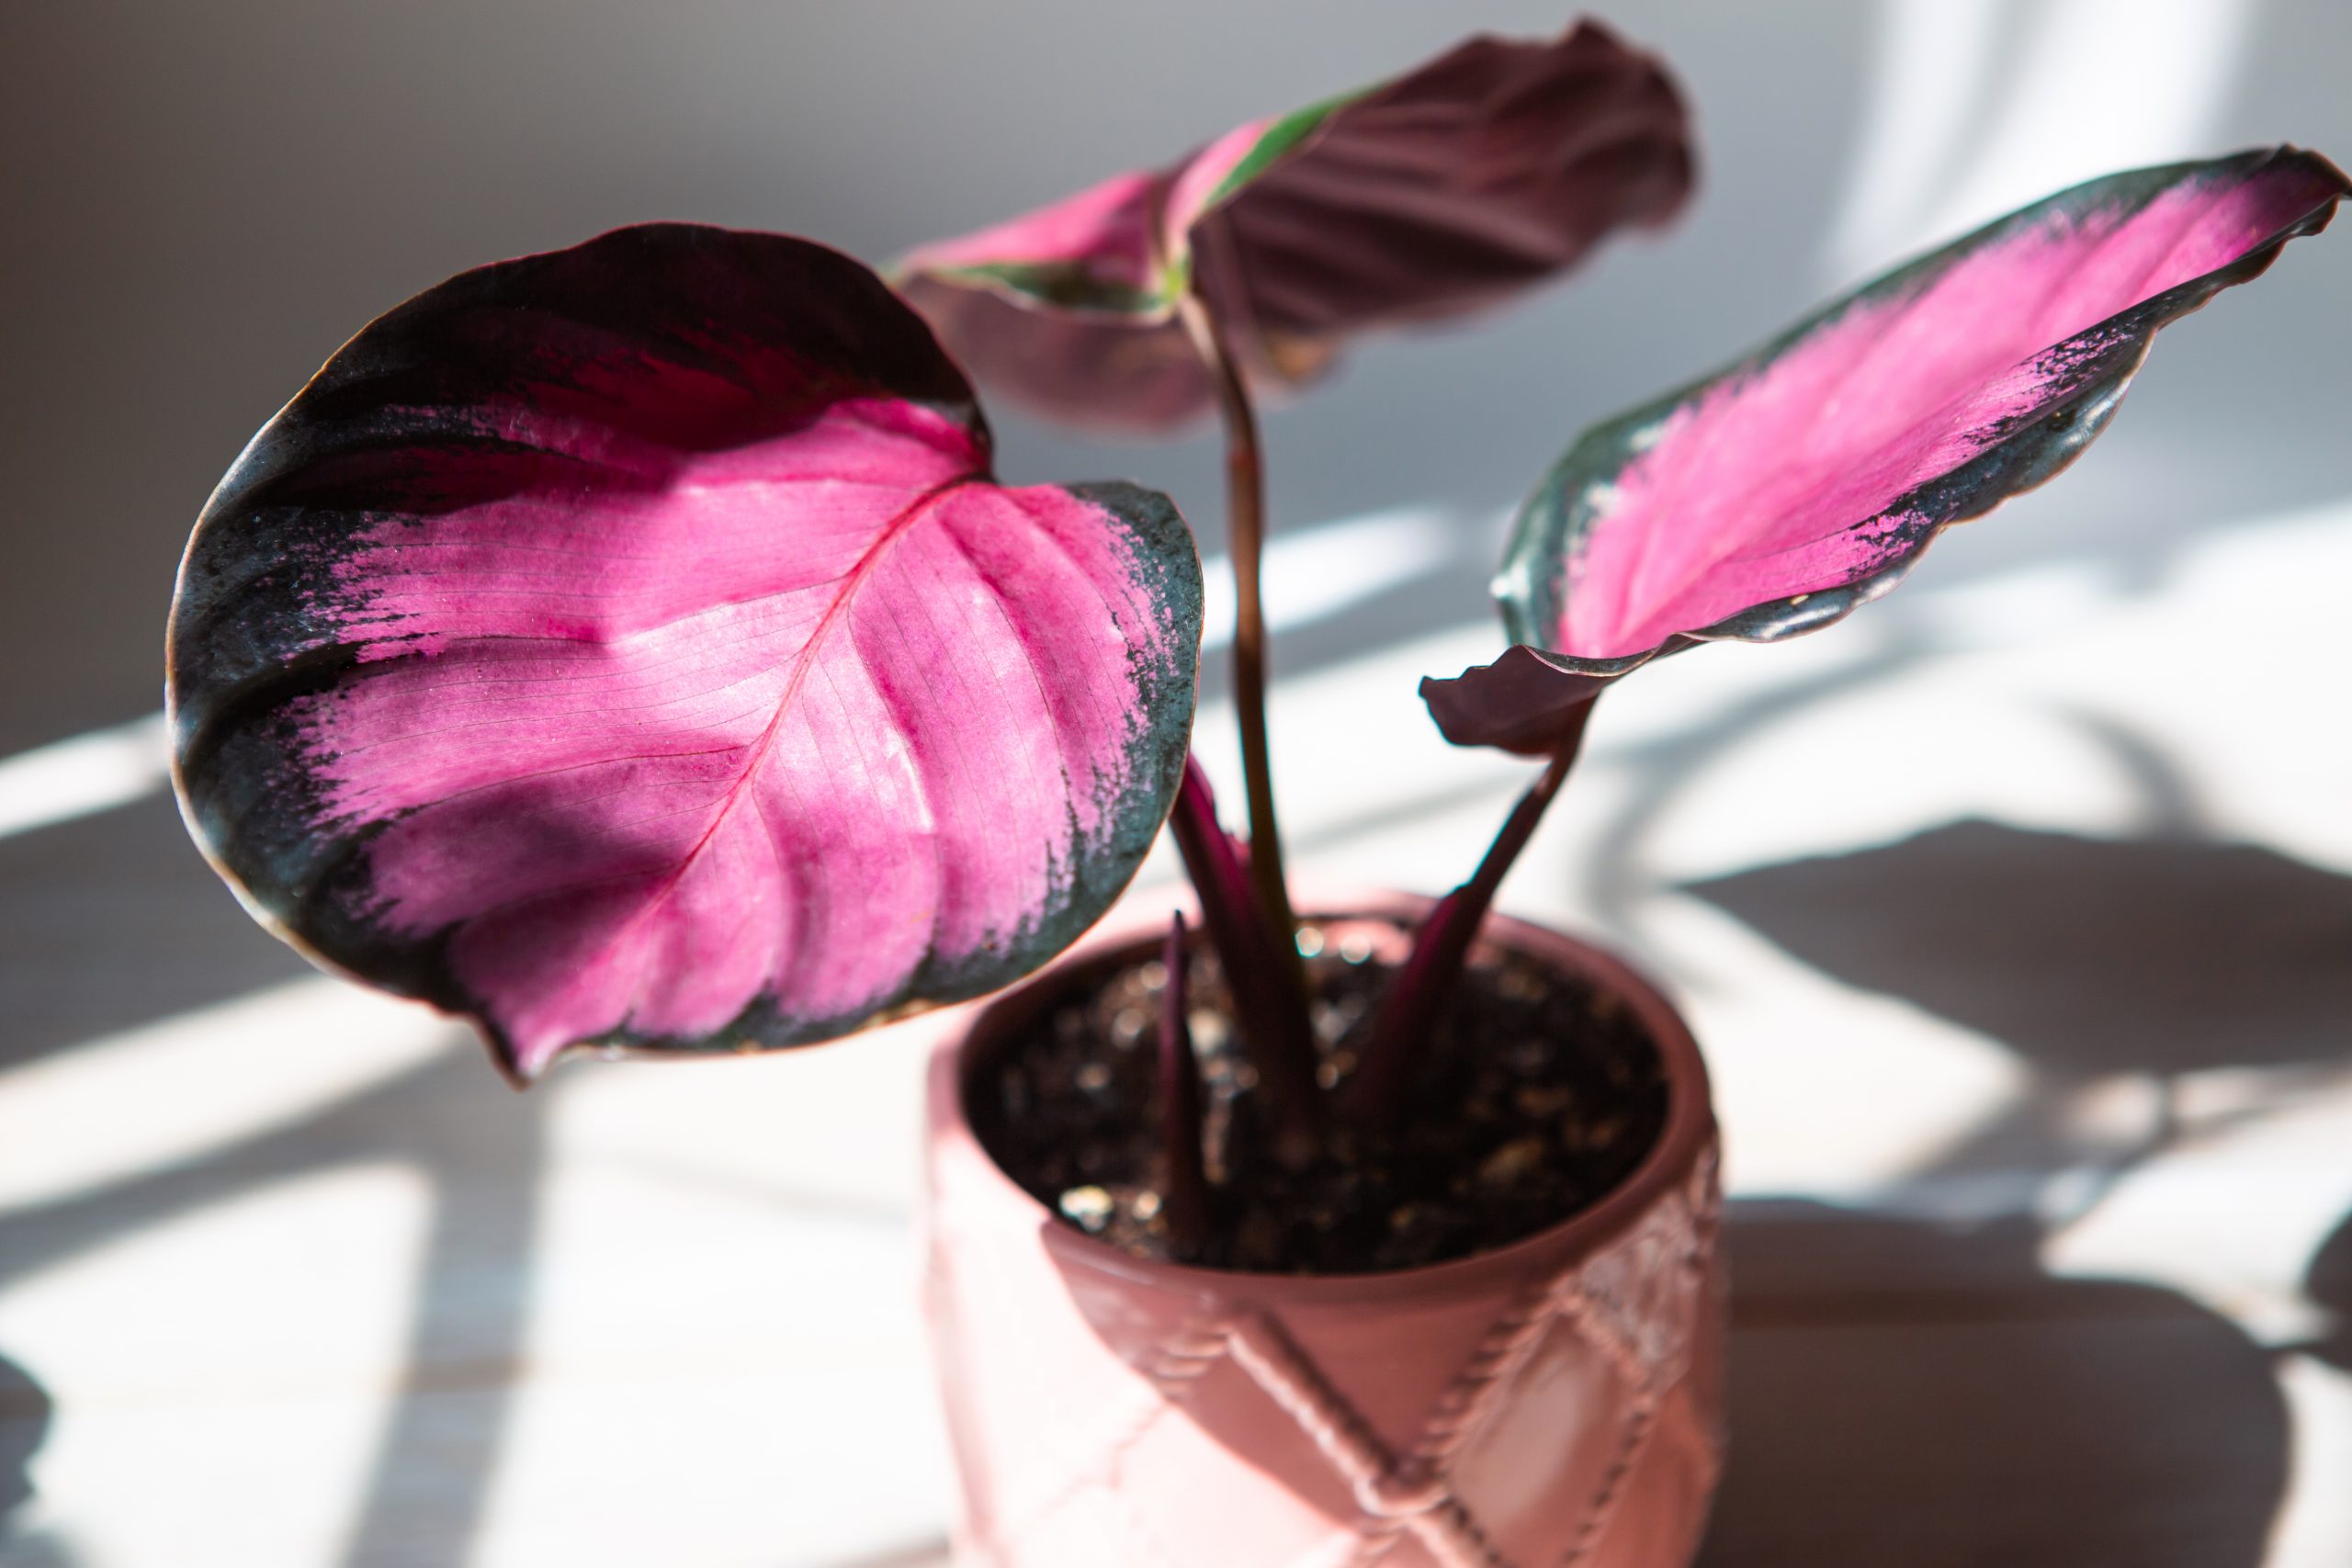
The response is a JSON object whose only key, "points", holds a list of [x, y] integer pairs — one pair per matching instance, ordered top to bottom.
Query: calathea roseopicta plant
{"points": [[1152, 297], [1773, 498], [1763, 501], [632, 646]]}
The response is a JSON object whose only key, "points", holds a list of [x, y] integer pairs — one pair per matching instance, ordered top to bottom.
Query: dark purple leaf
{"points": [[1490, 168], [1527, 701]]}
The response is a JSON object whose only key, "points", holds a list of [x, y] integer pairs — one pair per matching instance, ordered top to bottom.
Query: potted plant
{"points": [[631, 648]]}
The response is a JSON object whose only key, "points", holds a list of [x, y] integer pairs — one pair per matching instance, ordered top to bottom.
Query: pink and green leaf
{"points": [[1490, 168], [1221, 170], [1121, 247], [1094, 252], [1774, 497], [629, 646]]}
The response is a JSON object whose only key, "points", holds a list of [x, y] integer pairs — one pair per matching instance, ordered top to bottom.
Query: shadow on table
{"points": [[114, 921], [2085, 956], [2089, 958], [483, 1152], [2328, 1284], [1912, 1394], [1927, 1395], [26, 1410], [25, 1413]]}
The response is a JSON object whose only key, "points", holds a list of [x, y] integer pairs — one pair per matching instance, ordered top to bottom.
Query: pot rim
{"points": [[1689, 1129]]}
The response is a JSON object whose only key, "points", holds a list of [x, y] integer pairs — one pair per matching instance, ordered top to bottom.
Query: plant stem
{"points": [[1246, 530], [1270, 1010], [1391, 1061], [1185, 1200]]}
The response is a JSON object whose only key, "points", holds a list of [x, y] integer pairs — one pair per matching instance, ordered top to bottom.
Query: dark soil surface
{"points": [[1541, 1094]]}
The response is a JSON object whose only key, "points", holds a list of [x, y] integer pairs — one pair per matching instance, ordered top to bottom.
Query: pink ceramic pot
{"points": [[1557, 1402]]}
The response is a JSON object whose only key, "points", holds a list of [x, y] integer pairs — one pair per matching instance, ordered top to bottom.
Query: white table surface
{"points": [[2018, 942]]}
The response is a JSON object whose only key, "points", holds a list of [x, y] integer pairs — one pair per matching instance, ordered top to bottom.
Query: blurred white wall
{"points": [[201, 202]]}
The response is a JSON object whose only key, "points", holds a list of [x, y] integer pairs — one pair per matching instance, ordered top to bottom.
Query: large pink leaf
{"points": [[1489, 168], [1774, 497], [629, 646]]}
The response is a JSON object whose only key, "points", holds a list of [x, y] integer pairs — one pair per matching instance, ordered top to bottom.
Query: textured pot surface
{"points": [[1557, 1401]]}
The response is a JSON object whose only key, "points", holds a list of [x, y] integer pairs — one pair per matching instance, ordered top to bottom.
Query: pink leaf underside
{"points": [[1488, 169], [1104, 232], [1116, 358], [1753, 491], [800, 725]]}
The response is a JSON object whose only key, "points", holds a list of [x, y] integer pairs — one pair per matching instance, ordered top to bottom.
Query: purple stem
{"points": [[1246, 529], [1268, 1004], [1391, 1061], [1186, 1198]]}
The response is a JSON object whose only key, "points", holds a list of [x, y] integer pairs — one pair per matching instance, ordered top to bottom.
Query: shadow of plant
{"points": [[111, 921], [2085, 956], [483, 1152], [2329, 1285], [1919, 1395], [1922, 1395], [25, 1413]]}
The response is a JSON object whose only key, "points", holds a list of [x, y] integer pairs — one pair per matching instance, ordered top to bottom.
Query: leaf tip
{"points": [[1523, 701], [521, 1063]]}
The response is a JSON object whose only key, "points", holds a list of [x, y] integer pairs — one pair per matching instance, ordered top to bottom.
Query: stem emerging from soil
{"points": [[1246, 529], [1270, 1008], [1392, 1058], [1185, 1200]]}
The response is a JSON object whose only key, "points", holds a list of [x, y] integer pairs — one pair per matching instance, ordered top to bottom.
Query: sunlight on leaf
{"points": [[1773, 498], [629, 645]]}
